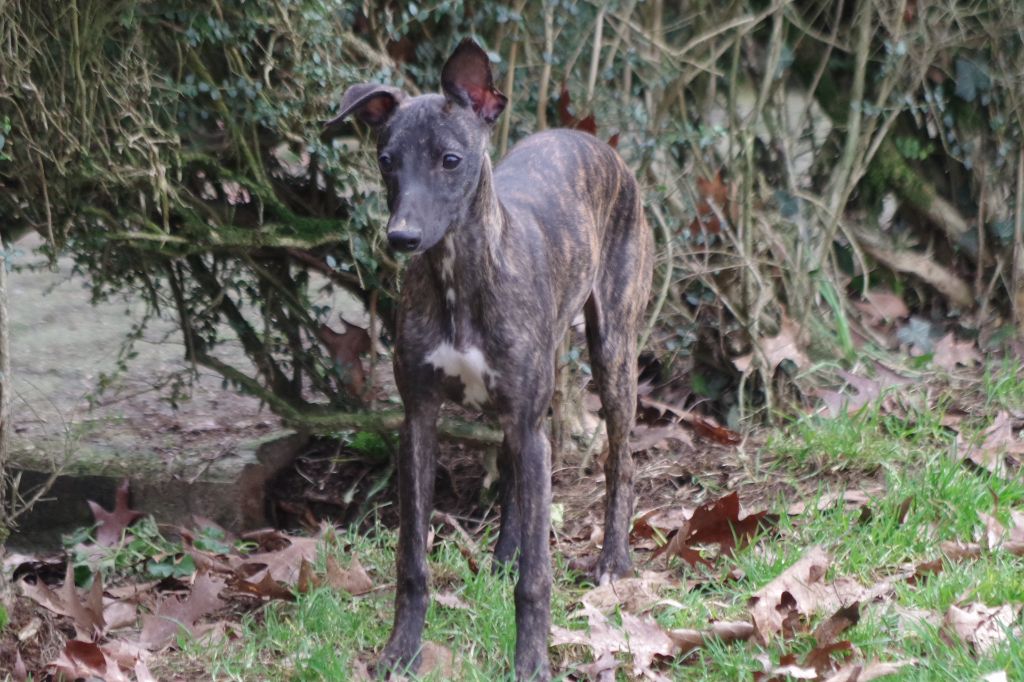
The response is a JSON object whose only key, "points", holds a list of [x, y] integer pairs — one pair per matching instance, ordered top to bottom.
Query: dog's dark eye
{"points": [[450, 161], [386, 164]]}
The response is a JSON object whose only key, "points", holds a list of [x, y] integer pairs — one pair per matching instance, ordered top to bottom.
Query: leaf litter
{"points": [[802, 599], [118, 629]]}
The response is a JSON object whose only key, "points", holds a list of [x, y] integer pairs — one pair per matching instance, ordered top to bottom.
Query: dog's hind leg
{"points": [[613, 314], [507, 547]]}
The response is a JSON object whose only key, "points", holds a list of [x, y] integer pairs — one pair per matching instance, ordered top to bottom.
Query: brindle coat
{"points": [[504, 260]]}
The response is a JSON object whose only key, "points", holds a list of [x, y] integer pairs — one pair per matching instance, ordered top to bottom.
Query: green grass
{"points": [[1003, 385], [946, 498], [320, 636]]}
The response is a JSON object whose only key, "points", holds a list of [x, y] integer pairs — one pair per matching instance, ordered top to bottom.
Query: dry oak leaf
{"points": [[569, 120], [712, 206], [881, 307], [786, 345], [345, 349], [949, 353], [866, 391], [998, 445], [851, 499], [716, 522], [111, 524], [283, 564], [308, 579], [353, 580], [266, 588], [799, 592], [631, 594], [450, 600], [86, 615], [838, 623], [161, 627], [983, 627], [726, 631], [641, 637], [127, 653], [86, 660], [437, 661], [603, 669], [20, 672], [864, 672]]}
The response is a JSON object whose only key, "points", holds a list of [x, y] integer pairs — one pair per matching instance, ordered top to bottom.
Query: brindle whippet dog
{"points": [[503, 261]]}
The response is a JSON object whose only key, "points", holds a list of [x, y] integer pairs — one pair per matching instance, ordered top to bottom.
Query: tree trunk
{"points": [[1017, 278], [5, 400]]}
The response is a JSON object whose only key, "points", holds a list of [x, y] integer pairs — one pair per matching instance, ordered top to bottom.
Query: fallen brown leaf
{"points": [[712, 206], [882, 307], [345, 349], [774, 350], [949, 353], [708, 430], [646, 437], [999, 446], [851, 499], [716, 522], [112, 524], [282, 564], [308, 579], [353, 580], [265, 588], [800, 592], [631, 594], [451, 600], [86, 615], [838, 623], [161, 627], [983, 627], [641, 637], [688, 640], [127, 653], [81, 659], [436, 660], [603, 669], [20, 672], [861, 672]]}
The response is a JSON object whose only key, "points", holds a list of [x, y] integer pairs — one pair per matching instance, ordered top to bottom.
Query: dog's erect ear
{"points": [[466, 80], [372, 103]]}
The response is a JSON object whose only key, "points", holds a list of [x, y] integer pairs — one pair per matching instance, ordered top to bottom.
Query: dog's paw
{"points": [[610, 567], [394, 660], [533, 666]]}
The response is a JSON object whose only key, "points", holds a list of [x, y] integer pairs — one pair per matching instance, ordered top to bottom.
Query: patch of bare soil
{"points": [[329, 482], [34, 636]]}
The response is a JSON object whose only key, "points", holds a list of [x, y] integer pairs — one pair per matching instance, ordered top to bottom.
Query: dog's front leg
{"points": [[532, 462], [416, 464], [507, 547]]}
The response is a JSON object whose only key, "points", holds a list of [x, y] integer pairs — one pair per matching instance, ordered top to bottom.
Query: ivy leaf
{"points": [[971, 80], [918, 334]]}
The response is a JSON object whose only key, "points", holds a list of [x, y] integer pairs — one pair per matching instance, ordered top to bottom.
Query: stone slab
{"points": [[230, 489]]}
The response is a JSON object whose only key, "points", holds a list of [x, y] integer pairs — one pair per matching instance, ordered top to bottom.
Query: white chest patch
{"points": [[469, 366]]}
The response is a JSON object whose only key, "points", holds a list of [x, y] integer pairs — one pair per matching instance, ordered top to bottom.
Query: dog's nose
{"points": [[405, 240]]}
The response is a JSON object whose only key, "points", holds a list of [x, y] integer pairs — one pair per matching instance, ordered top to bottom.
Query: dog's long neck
{"points": [[467, 259]]}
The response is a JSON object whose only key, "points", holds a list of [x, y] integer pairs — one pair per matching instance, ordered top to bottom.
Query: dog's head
{"points": [[430, 149]]}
